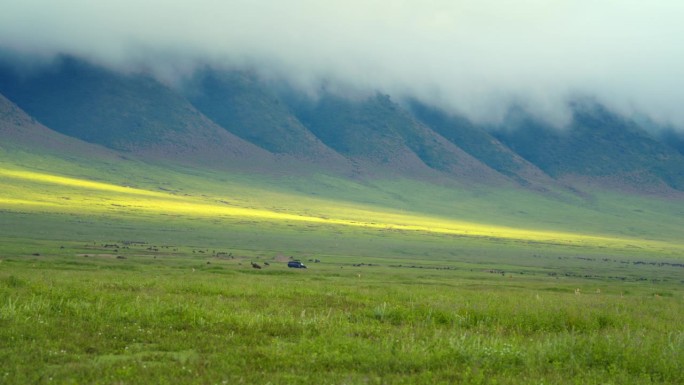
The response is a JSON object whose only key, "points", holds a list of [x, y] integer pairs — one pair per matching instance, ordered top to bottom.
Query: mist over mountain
{"points": [[470, 58], [539, 95], [124, 112], [237, 118], [598, 145]]}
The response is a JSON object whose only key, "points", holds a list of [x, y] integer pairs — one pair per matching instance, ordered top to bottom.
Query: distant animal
{"points": [[267, 264], [256, 265]]}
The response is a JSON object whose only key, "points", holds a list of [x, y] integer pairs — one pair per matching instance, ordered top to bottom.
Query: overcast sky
{"points": [[470, 56]]}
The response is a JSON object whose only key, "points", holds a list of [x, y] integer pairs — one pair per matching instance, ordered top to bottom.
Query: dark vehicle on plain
{"points": [[296, 265]]}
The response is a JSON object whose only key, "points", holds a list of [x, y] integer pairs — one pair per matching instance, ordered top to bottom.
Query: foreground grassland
{"points": [[126, 272], [173, 316]]}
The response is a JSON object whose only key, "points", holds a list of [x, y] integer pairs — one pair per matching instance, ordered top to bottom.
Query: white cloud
{"points": [[472, 56]]}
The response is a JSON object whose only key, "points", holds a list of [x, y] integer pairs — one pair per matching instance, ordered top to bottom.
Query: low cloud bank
{"points": [[473, 57]]}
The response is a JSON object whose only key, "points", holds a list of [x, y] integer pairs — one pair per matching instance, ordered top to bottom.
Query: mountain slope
{"points": [[240, 103], [125, 112], [134, 113], [20, 131], [378, 131], [673, 139], [479, 143], [599, 146]]}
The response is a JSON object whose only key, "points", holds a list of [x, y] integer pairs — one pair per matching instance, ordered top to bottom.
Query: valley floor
{"points": [[150, 279], [141, 313]]}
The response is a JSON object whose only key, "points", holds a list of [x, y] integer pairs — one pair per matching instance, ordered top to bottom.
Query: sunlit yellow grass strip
{"points": [[73, 182], [16, 202], [163, 203], [379, 220]]}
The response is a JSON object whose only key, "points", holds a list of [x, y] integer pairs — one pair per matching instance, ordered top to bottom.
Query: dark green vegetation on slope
{"points": [[241, 103], [124, 112], [376, 129], [479, 143], [598, 144]]}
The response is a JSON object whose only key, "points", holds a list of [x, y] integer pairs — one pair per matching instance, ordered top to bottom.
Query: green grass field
{"points": [[125, 272]]}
